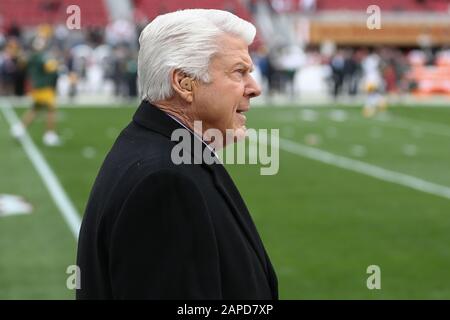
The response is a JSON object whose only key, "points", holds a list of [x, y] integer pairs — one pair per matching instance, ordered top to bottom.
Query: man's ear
{"points": [[186, 83], [183, 85]]}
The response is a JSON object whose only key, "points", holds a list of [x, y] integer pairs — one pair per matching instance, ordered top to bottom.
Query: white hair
{"points": [[184, 40]]}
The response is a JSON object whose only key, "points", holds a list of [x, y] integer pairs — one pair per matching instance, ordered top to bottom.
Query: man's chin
{"points": [[240, 134], [231, 136]]}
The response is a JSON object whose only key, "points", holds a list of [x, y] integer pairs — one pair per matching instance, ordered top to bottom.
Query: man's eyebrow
{"points": [[242, 64]]}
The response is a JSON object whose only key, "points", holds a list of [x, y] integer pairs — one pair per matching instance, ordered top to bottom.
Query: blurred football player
{"points": [[43, 73], [373, 86]]}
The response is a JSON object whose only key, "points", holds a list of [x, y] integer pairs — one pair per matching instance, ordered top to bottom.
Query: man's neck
{"points": [[178, 112]]}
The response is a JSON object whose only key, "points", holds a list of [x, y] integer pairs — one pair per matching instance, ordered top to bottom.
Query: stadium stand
{"points": [[361, 5], [387, 5], [153, 8], [35, 12]]}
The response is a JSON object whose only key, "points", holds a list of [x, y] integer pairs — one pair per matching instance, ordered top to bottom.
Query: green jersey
{"points": [[42, 71]]}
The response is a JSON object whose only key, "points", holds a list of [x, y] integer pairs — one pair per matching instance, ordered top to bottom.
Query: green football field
{"points": [[350, 193]]}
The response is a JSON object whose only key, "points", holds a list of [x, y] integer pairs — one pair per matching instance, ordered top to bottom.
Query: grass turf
{"points": [[322, 225]]}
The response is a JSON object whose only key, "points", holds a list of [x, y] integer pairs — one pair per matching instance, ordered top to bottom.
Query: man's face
{"points": [[221, 103]]}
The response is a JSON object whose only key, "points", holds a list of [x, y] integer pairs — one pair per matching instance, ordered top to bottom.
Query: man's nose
{"points": [[253, 89]]}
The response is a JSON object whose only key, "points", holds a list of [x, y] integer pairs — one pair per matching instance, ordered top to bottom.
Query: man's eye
{"points": [[241, 71]]}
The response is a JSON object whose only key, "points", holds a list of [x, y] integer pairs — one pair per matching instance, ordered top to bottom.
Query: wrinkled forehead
{"points": [[231, 50]]}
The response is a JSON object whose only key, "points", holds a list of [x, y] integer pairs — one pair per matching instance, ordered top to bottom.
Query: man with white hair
{"points": [[155, 228]]}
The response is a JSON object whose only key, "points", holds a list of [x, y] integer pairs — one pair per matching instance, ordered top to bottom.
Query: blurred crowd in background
{"points": [[102, 60], [89, 61]]}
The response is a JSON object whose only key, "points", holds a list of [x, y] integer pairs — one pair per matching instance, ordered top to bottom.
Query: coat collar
{"points": [[153, 118]]}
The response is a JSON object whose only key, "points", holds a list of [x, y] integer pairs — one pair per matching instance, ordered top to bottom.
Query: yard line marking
{"points": [[365, 168], [49, 178]]}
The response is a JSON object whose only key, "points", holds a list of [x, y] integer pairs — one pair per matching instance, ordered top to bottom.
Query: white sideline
{"points": [[365, 168], [49, 178]]}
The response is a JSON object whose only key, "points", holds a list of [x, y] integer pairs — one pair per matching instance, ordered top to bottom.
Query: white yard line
{"points": [[365, 168], [47, 175]]}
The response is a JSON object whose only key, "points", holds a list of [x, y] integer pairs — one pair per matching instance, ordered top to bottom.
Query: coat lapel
{"points": [[226, 186], [228, 189]]}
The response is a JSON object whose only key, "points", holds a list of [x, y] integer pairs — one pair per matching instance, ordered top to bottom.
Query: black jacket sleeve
{"points": [[163, 244]]}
